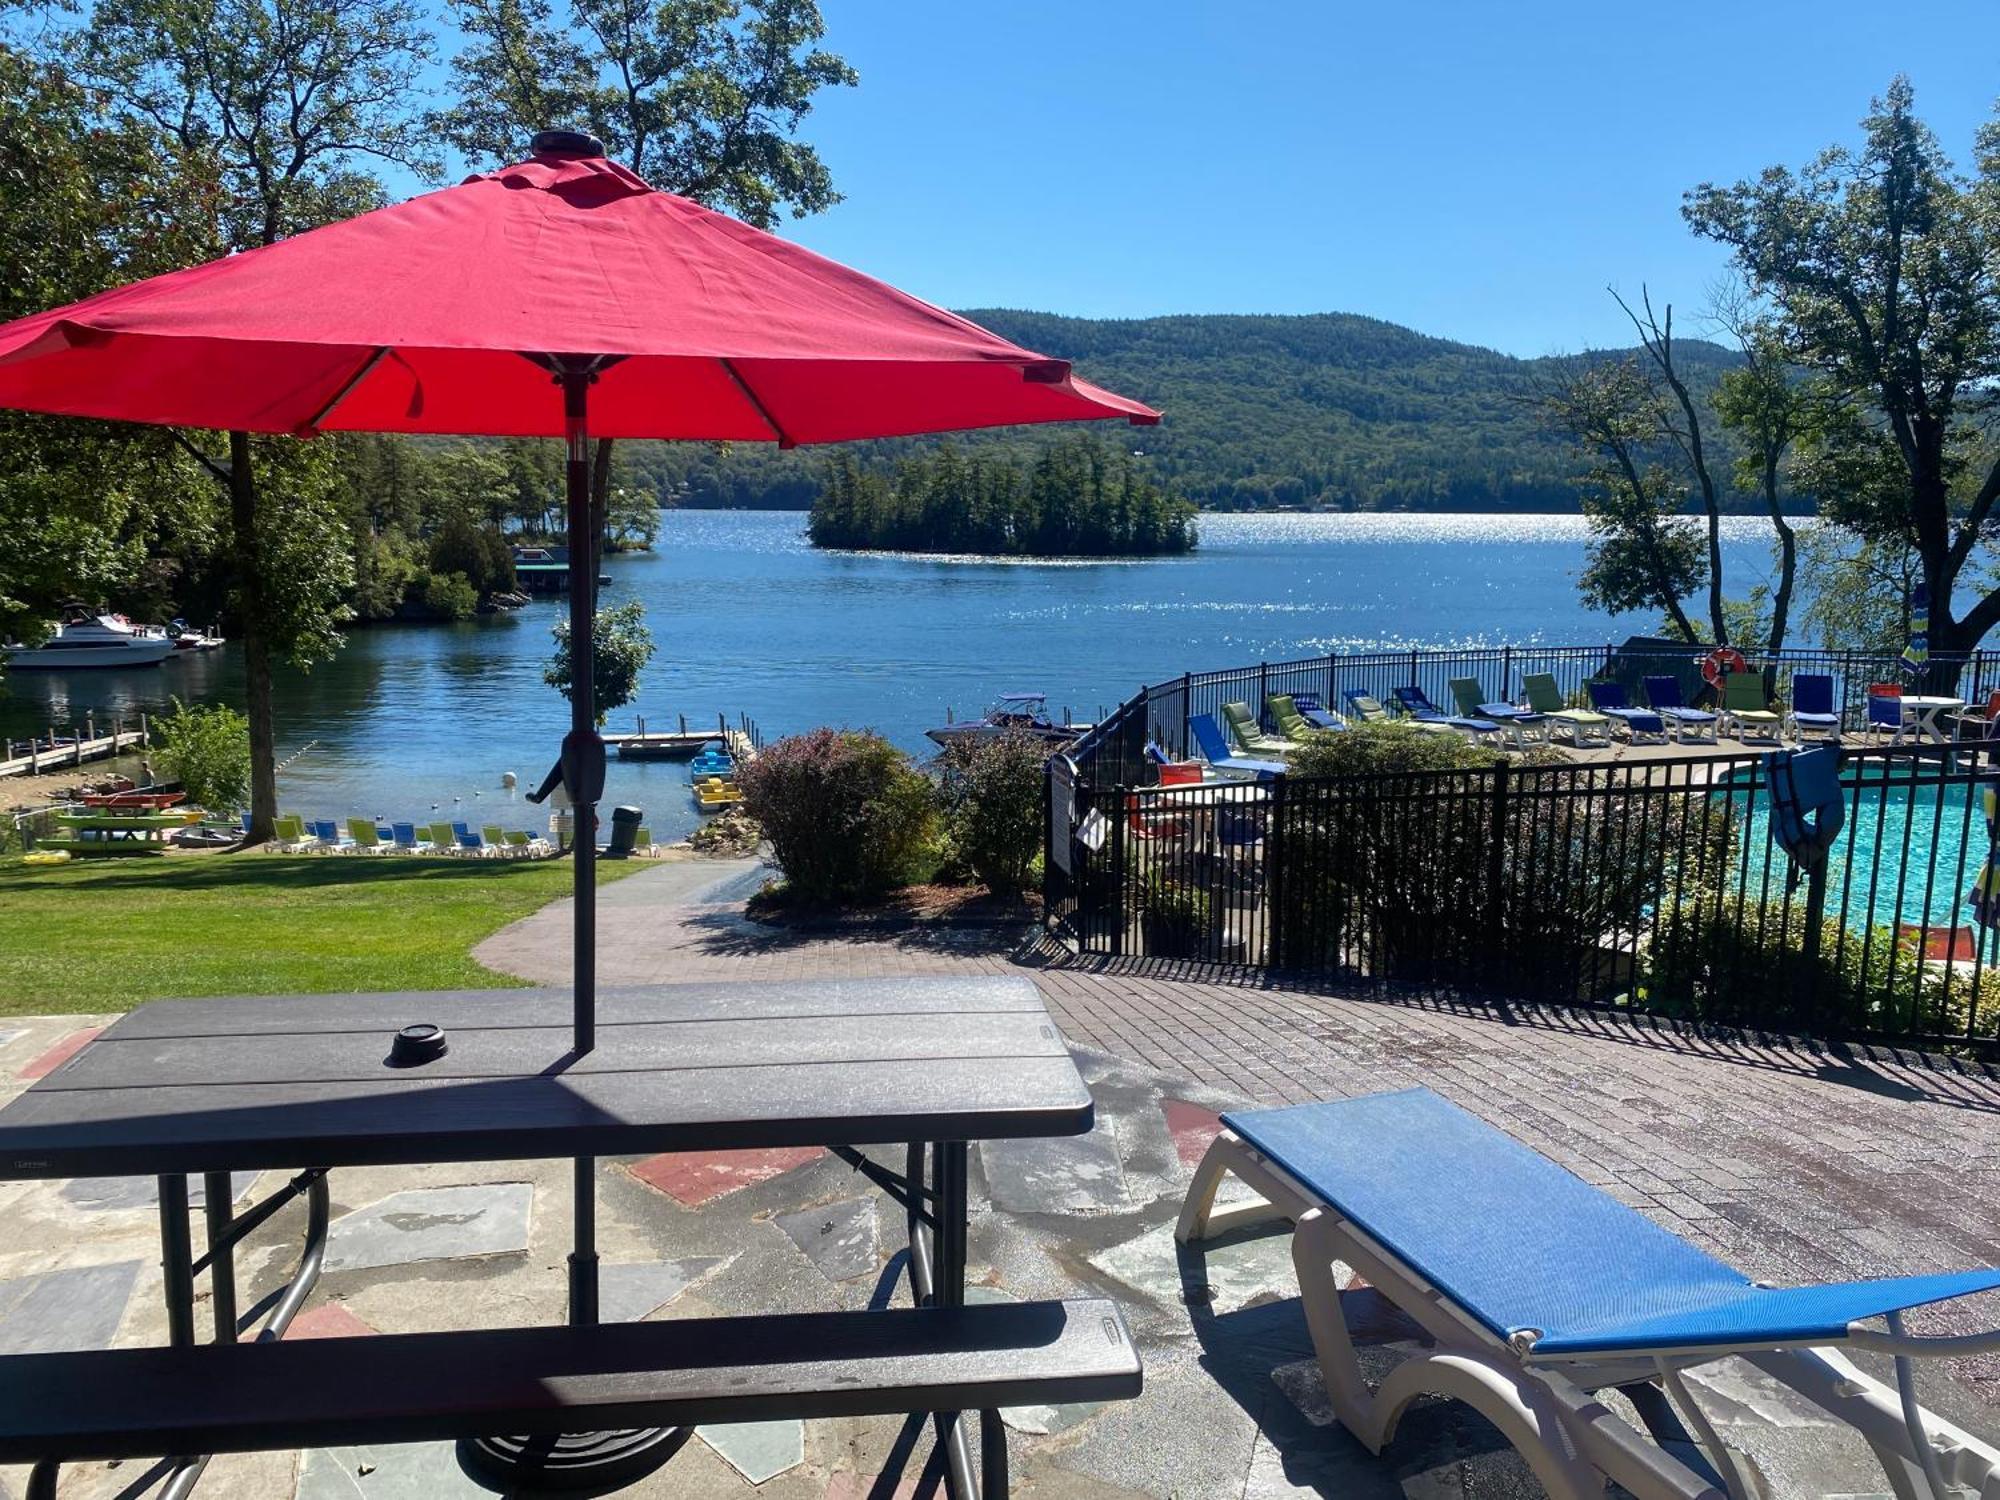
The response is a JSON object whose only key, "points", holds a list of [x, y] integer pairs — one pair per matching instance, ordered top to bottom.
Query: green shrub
{"points": [[447, 595], [206, 748], [991, 794], [845, 812], [1177, 920], [1718, 964]]}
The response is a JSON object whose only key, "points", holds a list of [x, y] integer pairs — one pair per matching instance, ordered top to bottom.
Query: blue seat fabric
{"points": [[1217, 750], [1519, 1243]]}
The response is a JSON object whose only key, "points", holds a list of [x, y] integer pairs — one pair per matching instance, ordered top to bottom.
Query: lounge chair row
{"points": [[296, 835]]}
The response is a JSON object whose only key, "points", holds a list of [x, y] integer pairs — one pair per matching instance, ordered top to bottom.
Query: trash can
{"points": [[624, 831]]}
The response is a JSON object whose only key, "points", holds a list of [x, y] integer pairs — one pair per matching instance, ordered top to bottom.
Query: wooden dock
{"points": [[683, 743], [33, 757]]}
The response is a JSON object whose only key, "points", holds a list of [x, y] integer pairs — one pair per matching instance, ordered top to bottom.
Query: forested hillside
{"points": [[1331, 410]]}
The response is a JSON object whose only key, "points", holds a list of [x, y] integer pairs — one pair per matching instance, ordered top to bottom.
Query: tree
{"points": [[703, 98], [275, 110], [1881, 267], [1764, 406], [103, 510], [1643, 554], [620, 648], [207, 750]]}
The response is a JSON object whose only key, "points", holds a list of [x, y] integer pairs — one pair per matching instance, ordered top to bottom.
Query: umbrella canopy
{"points": [[414, 318], [1984, 897]]}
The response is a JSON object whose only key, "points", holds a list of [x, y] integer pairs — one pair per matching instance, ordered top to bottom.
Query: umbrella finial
{"points": [[566, 143]]}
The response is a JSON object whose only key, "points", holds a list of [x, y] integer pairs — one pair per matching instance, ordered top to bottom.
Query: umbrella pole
{"points": [[576, 379]]}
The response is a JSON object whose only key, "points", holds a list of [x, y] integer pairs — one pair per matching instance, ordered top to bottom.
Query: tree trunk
{"points": [[600, 512], [1788, 556], [250, 583]]}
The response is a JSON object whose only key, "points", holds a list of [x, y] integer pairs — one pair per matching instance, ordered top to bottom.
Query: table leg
{"points": [[949, 1173], [219, 1193], [583, 1249], [177, 1259]]}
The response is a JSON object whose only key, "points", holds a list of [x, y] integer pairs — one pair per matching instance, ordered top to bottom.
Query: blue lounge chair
{"points": [[1609, 698], [1470, 700], [1417, 705], [1309, 708], [1812, 710], [1688, 724], [1216, 749], [327, 832], [405, 835], [1538, 1289]]}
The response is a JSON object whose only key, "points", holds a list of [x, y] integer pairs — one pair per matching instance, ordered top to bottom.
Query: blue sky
{"points": [[1479, 171]]}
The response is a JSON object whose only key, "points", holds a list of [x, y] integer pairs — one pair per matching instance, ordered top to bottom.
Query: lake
{"points": [[751, 620]]}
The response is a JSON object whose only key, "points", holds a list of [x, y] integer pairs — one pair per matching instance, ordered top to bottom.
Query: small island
{"points": [[1079, 498]]}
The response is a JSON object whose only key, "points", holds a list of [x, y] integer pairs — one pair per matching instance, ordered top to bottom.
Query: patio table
{"points": [[1921, 714], [304, 1083]]}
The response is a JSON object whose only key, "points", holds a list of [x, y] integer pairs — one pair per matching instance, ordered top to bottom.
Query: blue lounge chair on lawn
{"points": [[1609, 698], [1417, 704], [1812, 710], [1313, 713], [1689, 724], [1215, 748], [406, 837], [1538, 1289]]}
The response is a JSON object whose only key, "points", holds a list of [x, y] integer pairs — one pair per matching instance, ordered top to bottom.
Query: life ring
{"points": [[1720, 662]]}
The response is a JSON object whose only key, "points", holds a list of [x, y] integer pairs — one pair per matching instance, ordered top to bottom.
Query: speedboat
{"points": [[86, 638], [187, 638], [1010, 713]]}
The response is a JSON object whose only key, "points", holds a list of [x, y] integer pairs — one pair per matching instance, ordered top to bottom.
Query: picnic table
{"points": [[1921, 714], [306, 1084]]}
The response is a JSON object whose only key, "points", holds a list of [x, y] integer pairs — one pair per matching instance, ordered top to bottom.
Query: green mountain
{"points": [[1326, 411]]}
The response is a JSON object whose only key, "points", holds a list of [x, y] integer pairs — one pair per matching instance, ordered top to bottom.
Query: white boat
{"points": [[85, 638], [187, 638], [1010, 713]]}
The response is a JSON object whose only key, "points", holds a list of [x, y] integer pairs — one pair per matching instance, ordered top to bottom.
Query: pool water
{"points": [[1907, 853]]}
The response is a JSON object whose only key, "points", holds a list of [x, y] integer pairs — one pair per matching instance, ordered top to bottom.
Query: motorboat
{"points": [[87, 638], [187, 638], [1010, 713]]}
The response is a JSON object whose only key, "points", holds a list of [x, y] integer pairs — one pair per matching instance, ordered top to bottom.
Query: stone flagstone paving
{"points": [[1793, 1165]]}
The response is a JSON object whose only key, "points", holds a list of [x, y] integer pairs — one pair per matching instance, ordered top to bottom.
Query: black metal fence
{"points": [[1113, 751], [1635, 886]]}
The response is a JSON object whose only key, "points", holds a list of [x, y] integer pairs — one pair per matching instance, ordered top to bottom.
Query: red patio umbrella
{"points": [[560, 296], [463, 311]]}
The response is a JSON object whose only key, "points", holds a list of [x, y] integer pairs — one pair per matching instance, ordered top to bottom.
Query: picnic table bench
{"points": [[227, 1085]]}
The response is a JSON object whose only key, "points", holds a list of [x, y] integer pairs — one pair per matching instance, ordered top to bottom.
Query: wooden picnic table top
{"points": [[252, 1082]]}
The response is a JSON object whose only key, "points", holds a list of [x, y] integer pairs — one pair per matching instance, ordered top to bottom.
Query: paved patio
{"points": [[1792, 1164]]}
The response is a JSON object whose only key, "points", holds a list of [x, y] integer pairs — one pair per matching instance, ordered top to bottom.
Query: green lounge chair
{"points": [[1472, 703], [1745, 706], [1285, 714], [1584, 727], [1250, 739], [362, 832], [290, 833], [495, 837], [443, 840], [642, 841]]}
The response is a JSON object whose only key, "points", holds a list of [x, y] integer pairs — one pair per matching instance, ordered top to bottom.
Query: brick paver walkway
{"points": [[1792, 1164]]}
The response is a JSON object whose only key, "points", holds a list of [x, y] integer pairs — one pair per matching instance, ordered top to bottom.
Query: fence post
{"points": [[1506, 674], [1263, 688], [1187, 712], [1496, 864], [1274, 880], [1117, 882], [1805, 981]]}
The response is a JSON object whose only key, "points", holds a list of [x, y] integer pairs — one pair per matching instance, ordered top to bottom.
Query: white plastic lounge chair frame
{"points": [[1545, 1408]]}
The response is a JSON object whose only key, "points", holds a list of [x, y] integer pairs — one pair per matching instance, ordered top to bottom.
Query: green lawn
{"points": [[108, 934]]}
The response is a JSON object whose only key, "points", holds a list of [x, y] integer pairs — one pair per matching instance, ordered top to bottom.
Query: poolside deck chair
{"points": [[1609, 698], [1470, 700], [1417, 705], [1745, 706], [1369, 710], [1812, 710], [1885, 712], [1316, 713], [1292, 724], [1690, 725], [1583, 727], [1248, 736], [1216, 749], [361, 836], [1538, 1290]]}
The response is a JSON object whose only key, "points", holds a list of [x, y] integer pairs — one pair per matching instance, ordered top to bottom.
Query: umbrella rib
{"points": [[361, 373], [785, 440]]}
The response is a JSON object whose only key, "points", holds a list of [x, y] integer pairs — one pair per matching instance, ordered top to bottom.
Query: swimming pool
{"points": [[1912, 844]]}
